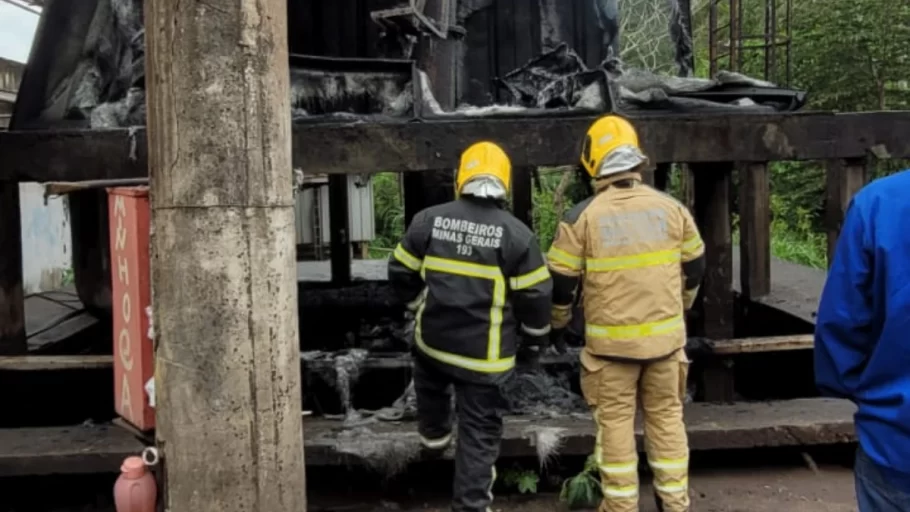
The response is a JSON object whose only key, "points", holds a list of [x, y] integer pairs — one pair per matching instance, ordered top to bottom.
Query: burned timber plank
{"points": [[436, 143], [843, 180], [713, 182], [523, 195], [755, 230], [12, 300], [762, 344], [55, 363], [815, 421], [65, 450]]}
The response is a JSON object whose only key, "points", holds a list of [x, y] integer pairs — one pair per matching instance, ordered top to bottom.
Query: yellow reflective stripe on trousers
{"points": [[693, 244], [561, 256], [407, 259], [648, 259], [530, 279], [635, 331], [493, 363], [669, 463], [619, 468], [673, 486], [627, 491]]}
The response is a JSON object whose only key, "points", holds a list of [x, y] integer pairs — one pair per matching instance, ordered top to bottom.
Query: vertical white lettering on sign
{"points": [[120, 212], [123, 270], [126, 307], [123, 343], [126, 399]]}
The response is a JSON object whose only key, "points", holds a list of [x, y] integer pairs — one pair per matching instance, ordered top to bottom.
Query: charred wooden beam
{"points": [[529, 140], [648, 176], [662, 176], [843, 180], [523, 194], [712, 213], [339, 225], [755, 230], [12, 300], [762, 344], [55, 363], [803, 422], [101, 448], [77, 449]]}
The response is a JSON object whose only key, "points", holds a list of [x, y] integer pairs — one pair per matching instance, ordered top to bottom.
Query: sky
{"points": [[17, 28]]}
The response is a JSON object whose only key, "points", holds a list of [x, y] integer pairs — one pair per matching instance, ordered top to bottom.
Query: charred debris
{"points": [[105, 89]]}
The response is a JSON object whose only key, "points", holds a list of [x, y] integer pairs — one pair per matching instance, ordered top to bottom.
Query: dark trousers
{"points": [[479, 408], [876, 489]]}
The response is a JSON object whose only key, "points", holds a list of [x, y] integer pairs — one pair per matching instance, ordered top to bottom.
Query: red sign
{"points": [[133, 350]]}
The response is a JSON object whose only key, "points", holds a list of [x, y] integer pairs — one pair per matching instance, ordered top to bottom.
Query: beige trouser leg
{"points": [[663, 387], [610, 388]]}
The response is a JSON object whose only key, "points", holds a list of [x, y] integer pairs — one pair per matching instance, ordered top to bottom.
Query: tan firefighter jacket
{"points": [[639, 258]]}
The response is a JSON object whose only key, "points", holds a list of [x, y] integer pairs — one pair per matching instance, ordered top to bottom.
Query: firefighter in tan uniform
{"points": [[638, 259]]}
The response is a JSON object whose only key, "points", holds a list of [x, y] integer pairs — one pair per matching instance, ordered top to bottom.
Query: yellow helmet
{"points": [[611, 146], [488, 160]]}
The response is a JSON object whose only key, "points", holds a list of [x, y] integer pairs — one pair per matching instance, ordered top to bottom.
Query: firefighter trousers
{"points": [[613, 390], [479, 409]]}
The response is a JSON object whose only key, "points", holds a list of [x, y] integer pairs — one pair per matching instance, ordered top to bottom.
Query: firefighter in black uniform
{"points": [[477, 282]]}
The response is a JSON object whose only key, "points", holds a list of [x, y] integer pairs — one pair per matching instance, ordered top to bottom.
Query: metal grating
{"points": [[728, 44]]}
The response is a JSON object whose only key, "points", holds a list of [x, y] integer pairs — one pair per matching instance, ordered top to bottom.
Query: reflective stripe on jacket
{"points": [[627, 246], [475, 276]]}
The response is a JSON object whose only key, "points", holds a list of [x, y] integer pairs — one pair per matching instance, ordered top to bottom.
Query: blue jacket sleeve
{"points": [[843, 334]]}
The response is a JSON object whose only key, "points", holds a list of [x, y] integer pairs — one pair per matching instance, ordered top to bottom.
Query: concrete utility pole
{"points": [[224, 281]]}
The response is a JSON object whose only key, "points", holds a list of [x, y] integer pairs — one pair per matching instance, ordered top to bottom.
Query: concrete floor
{"points": [[737, 490]]}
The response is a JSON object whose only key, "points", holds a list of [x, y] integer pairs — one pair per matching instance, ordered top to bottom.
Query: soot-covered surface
{"points": [[106, 86]]}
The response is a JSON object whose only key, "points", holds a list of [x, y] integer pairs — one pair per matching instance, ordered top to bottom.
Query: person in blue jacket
{"points": [[862, 338]]}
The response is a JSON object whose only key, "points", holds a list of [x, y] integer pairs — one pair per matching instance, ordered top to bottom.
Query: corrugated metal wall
{"points": [[361, 220]]}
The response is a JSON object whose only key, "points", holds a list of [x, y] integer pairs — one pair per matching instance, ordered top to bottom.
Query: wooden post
{"points": [[647, 176], [662, 176], [844, 178], [712, 184], [687, 186], [523, 195], [712, 213], [339, 224], [755, 230], [224, 280], [12, 302]]}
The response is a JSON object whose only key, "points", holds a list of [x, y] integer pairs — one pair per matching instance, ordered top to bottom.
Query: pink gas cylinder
{"points": [[135, 490]]}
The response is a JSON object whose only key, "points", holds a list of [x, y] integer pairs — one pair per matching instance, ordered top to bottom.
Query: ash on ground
{"points": [[539, 393], [386, 453]]}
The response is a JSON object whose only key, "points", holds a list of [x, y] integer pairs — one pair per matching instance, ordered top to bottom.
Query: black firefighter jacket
{"points": [[475, 276]]}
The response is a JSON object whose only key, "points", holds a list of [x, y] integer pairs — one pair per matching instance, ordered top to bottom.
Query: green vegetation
{"points": [[523, 480], [583, 490]]}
